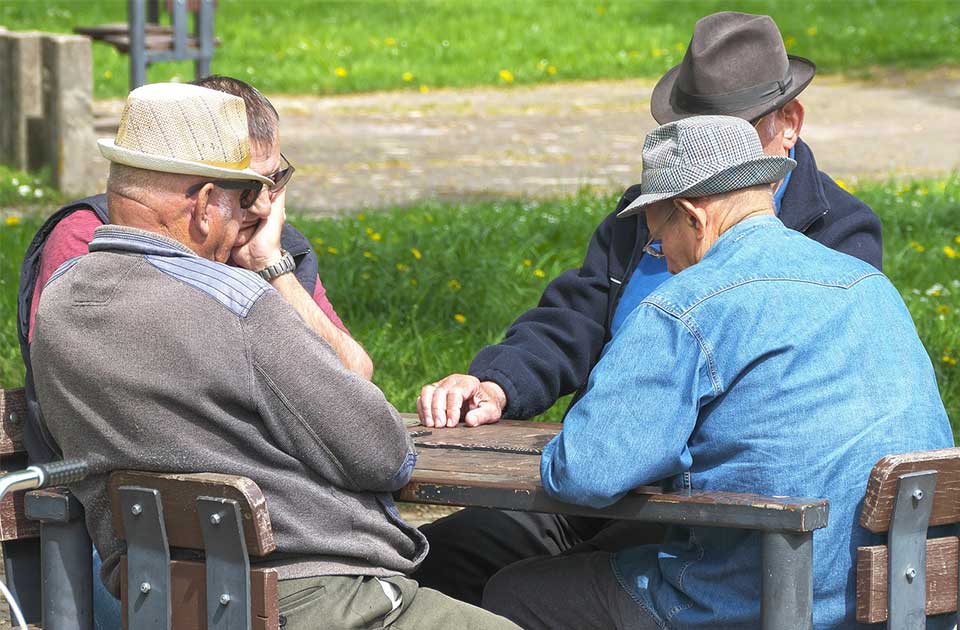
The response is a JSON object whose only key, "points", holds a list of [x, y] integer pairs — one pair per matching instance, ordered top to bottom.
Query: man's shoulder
{"points": [[234, 288]]}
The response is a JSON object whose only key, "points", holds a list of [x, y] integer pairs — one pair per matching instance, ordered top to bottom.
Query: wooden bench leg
{"points": [[786, 589]]}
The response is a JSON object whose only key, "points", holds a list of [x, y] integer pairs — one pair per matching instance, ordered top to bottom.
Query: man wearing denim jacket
{"points": [[737, 65], [768, 364]]}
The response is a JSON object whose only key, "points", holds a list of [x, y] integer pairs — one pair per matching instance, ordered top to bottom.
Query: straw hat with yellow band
{"points": [[184, 129]]}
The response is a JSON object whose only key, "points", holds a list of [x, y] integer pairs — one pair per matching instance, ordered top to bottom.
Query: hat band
{"points": [[731, 101]]}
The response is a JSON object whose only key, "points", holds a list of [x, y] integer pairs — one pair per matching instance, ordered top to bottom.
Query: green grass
{"points": [[322, 47], [401, 278]]}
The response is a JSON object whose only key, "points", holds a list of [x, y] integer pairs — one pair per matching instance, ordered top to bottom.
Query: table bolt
{"points": [[13, 417], [918, 495], [137, 510], [215, 519], [910, 573], [145, 587], [224, 599]]}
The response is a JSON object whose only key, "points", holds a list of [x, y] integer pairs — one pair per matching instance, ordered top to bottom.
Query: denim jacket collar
{"points": [[121, 238]]}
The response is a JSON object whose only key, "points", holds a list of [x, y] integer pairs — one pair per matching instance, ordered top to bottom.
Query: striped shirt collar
{"points": [[121, 238]]}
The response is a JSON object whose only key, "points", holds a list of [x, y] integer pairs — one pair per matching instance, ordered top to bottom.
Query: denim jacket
{"points": [[775, 366]]}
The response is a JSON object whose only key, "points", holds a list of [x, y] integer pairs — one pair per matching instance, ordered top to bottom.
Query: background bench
{"points": [[147, 41]]}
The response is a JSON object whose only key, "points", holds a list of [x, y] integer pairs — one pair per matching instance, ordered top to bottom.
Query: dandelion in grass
{"points": [[601, 10], [812, 31], [390, 41], [789, 42], [656, 52], [551, 69], [341, 72], [107, 74], [407, 76], [506, 76], [424, 89], [923, 191], [361, 217], [12, 220], [376, 236], [956, 239], [318, 241], [917, 247], [332, 250], [950, 252], [416, 253], [368, 254], [527, 262], [402, 268], [540, 273], [365, 275], [413, 282], [454, 284], [935, 291], [943, 310], [460, 318], [948, 358]]}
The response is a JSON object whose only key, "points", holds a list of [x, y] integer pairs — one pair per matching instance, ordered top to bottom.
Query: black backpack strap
{"points": [[40, 447]]}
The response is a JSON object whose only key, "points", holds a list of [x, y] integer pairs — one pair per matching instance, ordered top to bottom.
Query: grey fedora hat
{"points": [[736, 65], [704, 155]]}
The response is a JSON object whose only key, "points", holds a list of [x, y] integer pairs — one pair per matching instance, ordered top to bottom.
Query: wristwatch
{"points": [[284, 265]]}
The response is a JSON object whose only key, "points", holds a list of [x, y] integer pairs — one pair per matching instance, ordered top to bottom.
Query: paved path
{"points": [[375, 150]]}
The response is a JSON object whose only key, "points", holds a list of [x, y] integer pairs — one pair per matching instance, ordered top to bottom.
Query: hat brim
{"points": [[802, 70], [150, 162], [763, 170]]}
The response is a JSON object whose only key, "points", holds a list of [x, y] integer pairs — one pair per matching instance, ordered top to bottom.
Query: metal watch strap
{"points": [[284, 265]]}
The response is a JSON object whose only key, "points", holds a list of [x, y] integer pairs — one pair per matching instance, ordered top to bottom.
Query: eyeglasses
{"points": [[281, 176], [251, 189], [653, 247]]}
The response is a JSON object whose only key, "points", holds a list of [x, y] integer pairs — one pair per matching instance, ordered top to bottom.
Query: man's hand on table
{"points": [[442, 404]]}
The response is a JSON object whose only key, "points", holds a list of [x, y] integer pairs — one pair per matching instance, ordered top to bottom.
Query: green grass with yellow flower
{"points": [[326, 46], [424, 288]]}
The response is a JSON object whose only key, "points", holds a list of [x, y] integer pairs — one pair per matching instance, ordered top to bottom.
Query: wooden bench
{"points": [[147, 41], [160, 516], [911, 576]]}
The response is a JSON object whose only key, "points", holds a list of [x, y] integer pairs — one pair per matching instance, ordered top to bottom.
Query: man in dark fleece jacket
{"points": [[736, 64], [150, 353]]}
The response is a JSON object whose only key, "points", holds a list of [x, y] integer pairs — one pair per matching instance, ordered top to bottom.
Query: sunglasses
{"points": [[281, 176], [250, 189]]}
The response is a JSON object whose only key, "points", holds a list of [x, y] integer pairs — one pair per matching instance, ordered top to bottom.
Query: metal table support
{"points": [[786, 588]]}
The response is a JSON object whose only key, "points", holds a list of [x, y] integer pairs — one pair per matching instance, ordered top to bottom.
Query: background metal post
{"points": [[136, 20], [204, 32], [66, 560], [786, 588]]}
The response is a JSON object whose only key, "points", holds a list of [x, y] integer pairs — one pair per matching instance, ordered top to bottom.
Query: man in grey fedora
{"points": [[736, 64], [744, 372]]}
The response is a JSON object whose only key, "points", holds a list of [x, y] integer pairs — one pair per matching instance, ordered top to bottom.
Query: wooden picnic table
{"points": [[498, 466]]}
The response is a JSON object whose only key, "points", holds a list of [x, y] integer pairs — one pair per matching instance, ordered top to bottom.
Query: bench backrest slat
{"points": [[13, 413], [882, 487], [179, 493], [872, 579]]}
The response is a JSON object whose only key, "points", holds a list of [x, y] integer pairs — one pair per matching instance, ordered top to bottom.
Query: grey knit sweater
{"points": [[149, 357]]}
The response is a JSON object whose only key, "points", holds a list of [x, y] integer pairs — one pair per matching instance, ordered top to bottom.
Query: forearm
{"points": [[351, 353]]}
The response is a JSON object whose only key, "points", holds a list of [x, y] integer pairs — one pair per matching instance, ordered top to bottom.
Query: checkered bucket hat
{"points": [[704, 155]]}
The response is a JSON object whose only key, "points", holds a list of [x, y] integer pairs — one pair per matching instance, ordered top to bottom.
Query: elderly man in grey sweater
{"points": [[151, 353]]}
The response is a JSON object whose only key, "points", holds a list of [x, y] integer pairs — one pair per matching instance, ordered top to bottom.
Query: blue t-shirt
{"points": [[652, 272]]}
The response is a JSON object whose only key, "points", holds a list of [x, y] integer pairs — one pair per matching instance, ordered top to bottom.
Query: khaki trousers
{"points": [[336, 602]]}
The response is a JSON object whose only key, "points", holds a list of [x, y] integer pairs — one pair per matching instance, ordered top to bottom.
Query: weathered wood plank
{"points": [[13, 413], [506, 436], [882, 487], [179, 493], [14, 524], [941, 579], [188, 596]]}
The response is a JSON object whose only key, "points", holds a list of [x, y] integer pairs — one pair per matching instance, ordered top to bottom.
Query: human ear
{"points": [[791, 121], [201, 215], [696, 216]]}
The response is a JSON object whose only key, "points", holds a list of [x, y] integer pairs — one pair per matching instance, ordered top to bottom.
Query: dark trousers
{"points": [[467, 548]]}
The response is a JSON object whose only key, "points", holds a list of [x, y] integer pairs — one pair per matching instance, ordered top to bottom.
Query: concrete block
{"points": [[21, 96], [68, 111]]}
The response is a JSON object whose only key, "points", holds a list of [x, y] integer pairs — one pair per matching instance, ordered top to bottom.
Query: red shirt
{"points": [[71, 237]]}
